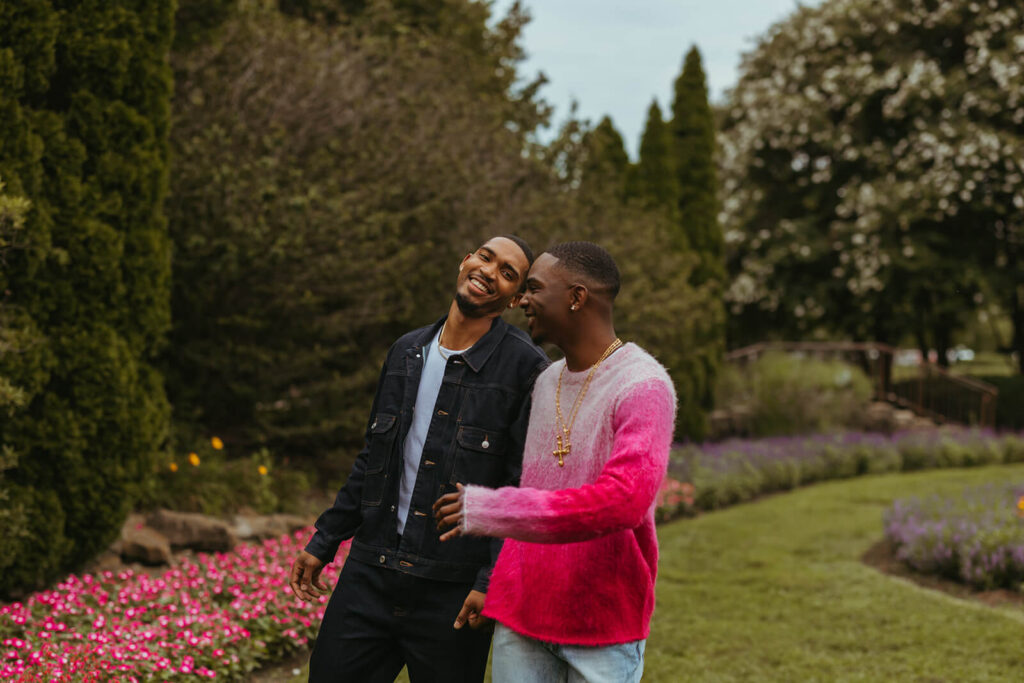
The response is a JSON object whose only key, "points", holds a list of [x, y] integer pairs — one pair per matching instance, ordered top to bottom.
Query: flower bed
{"points": [[734, 471], [977, 538], [214, 616]]}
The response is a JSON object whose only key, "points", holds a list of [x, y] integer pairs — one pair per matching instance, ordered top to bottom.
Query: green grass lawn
{"points": [[775, 591]]}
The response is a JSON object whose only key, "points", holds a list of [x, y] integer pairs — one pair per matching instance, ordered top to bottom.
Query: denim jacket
{"points": [[476, 436]]}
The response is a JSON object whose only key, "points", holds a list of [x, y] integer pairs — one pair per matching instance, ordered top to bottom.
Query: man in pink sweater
{"points": [[573, 588]]}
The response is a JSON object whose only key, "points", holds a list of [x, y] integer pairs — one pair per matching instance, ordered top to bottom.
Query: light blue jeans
{"points": [[518, 659]]}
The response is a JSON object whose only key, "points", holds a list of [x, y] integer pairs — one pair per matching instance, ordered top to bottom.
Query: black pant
{"points": [[379, 619]]}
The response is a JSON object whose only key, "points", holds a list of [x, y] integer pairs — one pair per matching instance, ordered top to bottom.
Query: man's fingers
{"points": [[446, 499], [449, 511], [452, 533], [298, 569], [464, 615], [478, 621]]}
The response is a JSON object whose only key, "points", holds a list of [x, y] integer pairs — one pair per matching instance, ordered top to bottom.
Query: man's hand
{"points": [[448, 513], [306, 577], [472, 609]]}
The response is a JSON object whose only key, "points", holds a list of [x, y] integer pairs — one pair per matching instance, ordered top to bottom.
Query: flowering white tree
{"points": [[873, 169]]}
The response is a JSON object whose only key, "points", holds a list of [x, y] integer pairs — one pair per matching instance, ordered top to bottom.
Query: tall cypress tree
{"points": [[84, 114], [693, 141], [693, 148], [606, 164], [654, 178]]}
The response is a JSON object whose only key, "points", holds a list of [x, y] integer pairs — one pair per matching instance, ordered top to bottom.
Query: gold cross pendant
{"points": [[562, 450]]}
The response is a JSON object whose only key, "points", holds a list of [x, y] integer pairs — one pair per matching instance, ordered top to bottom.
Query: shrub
{"points": [[84, 96], [786, 394], [1010, 405], [735, 471], [206, 480], [976, 538]]}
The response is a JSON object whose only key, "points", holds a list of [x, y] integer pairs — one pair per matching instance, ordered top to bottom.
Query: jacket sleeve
{"points": [[513, 469], [620, 498], [340, 521]]}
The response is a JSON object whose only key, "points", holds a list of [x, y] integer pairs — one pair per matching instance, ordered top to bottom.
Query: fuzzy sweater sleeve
{"points": [[619, 499]]}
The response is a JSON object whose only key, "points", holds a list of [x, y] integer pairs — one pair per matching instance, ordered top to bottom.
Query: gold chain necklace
{"points": [[564, 446]]}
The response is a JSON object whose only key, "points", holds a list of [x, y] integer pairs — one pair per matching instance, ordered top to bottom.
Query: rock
{"points": [[268, 526], [195, 531], [145, 545], [107, 561]]}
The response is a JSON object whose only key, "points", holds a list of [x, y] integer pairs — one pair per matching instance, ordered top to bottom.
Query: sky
{"points": [[614, 56]]}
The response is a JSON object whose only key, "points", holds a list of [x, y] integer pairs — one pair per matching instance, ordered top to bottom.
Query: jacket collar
{"points": [[478, 354]]}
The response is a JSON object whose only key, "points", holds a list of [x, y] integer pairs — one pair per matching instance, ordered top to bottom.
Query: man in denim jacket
{"points": [[452, 406]]}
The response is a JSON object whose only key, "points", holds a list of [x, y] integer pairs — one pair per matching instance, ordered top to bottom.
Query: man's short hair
{"points": [[521, 243], [590, 261]]}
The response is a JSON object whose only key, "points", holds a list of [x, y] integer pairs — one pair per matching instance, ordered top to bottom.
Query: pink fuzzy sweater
{"points": [[581, 557]]}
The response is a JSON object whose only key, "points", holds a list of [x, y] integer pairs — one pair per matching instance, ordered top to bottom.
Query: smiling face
{"points": [[491, 278], [546, 300]]}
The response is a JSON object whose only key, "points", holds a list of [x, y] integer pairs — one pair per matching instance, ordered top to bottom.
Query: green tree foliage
{"points": [[197, 21], [84, 112], [693, 139], [606, 163], [873, 171], [654, 179], [328, 180], [698, 230], [659, 307], [13, 340]]}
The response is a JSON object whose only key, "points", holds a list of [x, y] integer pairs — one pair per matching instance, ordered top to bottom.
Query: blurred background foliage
{"points": [[218, 215], [234, 256], [783, 394]]}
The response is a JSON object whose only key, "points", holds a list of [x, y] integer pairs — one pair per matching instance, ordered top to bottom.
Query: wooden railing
{"points": [[928, 389]]}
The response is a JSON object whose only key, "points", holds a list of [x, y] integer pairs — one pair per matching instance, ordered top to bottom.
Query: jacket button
{"points": [[374, 425], [485, 444], [392, 508], [382, 559]]}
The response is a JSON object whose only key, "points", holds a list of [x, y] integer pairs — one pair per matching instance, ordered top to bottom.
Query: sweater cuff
{"points": [[468, 526]]}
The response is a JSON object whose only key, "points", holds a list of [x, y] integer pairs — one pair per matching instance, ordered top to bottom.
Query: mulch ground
{"points": [[882, 556]]}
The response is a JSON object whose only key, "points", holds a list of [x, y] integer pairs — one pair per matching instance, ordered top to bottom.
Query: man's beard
{"points": [[467, 307]]}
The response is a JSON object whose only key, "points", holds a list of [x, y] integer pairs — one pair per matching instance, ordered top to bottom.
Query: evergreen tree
{"points": [[84, 114], [693, 140], [693, 148], [606, 162], [655, 181], [13, 339]]}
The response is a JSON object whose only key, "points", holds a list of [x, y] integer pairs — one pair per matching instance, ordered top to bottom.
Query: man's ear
{"points": [[466, 258], [578, 295], [515, 300]]}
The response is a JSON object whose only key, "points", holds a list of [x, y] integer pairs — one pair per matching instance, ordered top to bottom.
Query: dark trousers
{"points": [[379, 620]]}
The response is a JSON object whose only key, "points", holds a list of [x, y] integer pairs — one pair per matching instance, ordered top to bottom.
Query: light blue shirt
{"points": [[426, 396]]}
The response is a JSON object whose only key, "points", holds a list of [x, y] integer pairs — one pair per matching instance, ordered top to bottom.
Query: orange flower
{"points": [[216, 443], [194, 459], [173, 466], [262, 469], [1020, 505]]}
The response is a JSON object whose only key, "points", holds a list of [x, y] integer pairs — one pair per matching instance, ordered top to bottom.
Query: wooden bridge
{"points": [[927, 389]]}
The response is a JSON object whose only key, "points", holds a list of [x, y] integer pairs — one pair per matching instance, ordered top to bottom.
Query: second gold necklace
{"points": [[564, 445]]}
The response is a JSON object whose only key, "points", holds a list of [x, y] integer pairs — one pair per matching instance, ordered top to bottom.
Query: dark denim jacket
{"points": [[476, 436]]}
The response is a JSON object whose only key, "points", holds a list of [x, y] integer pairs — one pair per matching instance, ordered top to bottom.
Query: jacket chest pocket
{"points": [[382, 440], [479, 457]]}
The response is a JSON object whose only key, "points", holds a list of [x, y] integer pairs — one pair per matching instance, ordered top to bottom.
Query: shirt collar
{"points": [[481, 351]]}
